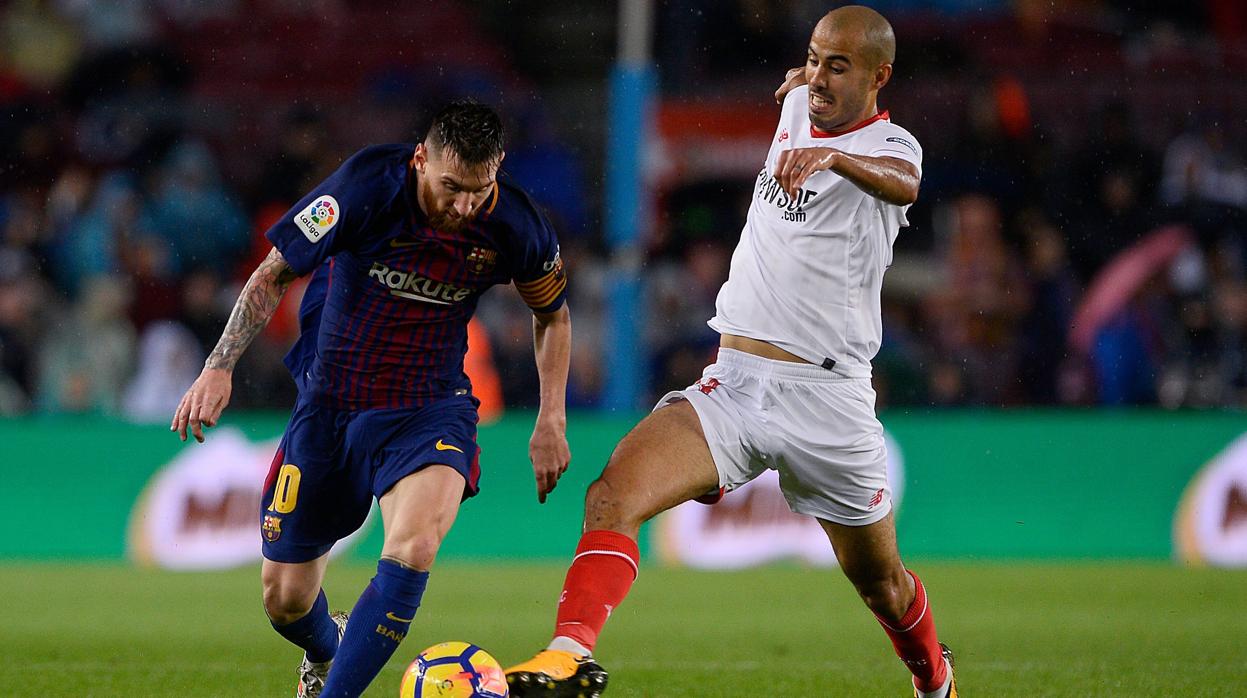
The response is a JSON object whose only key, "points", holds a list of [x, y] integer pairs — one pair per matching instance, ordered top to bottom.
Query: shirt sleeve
{"points": [[898, 143], [327, 220], [540, 278]]}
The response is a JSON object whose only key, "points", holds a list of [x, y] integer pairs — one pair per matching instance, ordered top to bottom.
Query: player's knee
{"points": [[609, 508], [416, 550], [888, 596], [285, 602]]}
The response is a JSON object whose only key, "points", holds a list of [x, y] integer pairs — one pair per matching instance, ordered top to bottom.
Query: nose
{"points": [[816, 76], [463, 204]]}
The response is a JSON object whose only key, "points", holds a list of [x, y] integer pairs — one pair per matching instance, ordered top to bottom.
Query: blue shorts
{"points": [[331, 464]]}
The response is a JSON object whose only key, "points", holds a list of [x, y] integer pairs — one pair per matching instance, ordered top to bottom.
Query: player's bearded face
{"points": [[843, 80], [452, 194]]}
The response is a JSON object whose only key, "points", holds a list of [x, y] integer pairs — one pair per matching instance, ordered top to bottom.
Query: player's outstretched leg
{"points": [[662, 462], [417, 512], [869, 558], [297, 608]]}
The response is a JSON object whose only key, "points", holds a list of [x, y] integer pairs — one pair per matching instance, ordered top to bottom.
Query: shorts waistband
{"points": [[775, 368]]}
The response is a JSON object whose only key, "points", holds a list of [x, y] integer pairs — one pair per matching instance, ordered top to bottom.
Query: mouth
{"points": [[819, 104]]}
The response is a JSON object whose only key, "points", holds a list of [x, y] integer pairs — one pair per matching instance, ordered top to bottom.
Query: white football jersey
{"points": [[807, 273]]}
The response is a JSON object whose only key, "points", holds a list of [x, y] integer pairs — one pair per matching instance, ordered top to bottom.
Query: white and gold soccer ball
{"points": [[454, 670]]}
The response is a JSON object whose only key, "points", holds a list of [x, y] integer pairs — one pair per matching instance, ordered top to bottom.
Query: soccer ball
{"points": [[454, 670]]}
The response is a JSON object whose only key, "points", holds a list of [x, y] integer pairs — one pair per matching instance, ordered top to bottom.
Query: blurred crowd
{"points": [[146, 145]]}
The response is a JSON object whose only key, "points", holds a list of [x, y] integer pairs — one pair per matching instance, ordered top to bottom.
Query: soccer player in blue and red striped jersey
{"points": [[401, 242]]}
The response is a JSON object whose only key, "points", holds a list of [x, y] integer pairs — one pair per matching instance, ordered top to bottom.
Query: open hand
{"points": [[203, 403]]}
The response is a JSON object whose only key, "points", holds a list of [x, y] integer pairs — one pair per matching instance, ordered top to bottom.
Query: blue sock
{"points": [[378, 624], [315, 632]]}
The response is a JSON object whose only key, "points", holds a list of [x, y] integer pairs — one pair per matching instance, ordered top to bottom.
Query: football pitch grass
{"points": [[1029, 629]]}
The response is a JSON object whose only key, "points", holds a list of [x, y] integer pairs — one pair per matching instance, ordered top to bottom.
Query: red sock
{"points": [[601, 574], [916, 643]]}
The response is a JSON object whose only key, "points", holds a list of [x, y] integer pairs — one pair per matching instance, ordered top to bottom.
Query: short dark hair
{"points": [[470, 130]]}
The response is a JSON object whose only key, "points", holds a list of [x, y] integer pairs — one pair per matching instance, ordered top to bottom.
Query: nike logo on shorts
{"points": [[446, 447]]}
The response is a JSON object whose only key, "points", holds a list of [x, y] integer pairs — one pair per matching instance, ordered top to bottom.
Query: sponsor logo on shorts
{"points": [[783, 136], [318, 218], [707, 385], [443, 446], [875, 499], [271, 528]]}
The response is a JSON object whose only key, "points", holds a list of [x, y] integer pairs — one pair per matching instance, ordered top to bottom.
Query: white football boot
{"points": [[312, 675]]}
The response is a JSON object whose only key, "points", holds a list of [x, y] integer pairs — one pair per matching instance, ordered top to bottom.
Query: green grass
{"points": [[1078, 629]]}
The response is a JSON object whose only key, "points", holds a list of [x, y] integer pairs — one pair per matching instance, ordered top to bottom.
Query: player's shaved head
{"points": [[876, 40]]}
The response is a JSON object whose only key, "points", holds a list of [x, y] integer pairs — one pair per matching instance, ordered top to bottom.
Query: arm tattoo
{"points": [[256, 304]]}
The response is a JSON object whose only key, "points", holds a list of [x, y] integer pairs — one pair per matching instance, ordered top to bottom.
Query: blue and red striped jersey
{"points": [[384, 321]]}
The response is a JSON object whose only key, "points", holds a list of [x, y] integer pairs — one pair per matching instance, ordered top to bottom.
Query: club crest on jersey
{"points": [[318, 218], [482, 260], [271, 528]]}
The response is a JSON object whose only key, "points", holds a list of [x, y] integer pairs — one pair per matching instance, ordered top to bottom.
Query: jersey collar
{"points": [[816, 133]]}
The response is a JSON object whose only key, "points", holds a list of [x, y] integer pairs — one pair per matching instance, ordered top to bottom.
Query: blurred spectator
{"points": [[39, 45], [146, 145], [296, 165], [1201, 167], [550, 172], [191, 210], [93, 242], [1053, 289], [22, 310], [977, 314], [87, 357], [169, 360], [478, 364]]}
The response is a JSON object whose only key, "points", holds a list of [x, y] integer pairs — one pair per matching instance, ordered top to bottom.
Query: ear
{"points": [[882, 74], [421, 157]]}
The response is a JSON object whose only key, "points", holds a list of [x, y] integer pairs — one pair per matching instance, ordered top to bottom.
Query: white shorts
{"points": [[819, 430]]}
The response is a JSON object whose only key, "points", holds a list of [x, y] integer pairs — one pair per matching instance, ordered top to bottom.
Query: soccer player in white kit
{"points": [[799, 319]]}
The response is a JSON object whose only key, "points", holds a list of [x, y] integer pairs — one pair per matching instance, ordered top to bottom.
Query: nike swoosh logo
{"points": [[396, 243], [422, 299], [446, 447], [395, 618]]}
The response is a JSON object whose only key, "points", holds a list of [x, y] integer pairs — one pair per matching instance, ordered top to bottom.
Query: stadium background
{"points": [[1063, 372]]}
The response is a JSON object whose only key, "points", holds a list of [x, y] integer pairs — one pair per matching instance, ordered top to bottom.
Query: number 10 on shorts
{"points": [[286, 491]]}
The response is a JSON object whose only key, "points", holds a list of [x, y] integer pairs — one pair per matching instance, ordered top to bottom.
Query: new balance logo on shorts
{"points": [[875, 499]]}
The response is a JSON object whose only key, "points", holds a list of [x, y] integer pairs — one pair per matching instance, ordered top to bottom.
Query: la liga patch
{"points": [[318, 218]]}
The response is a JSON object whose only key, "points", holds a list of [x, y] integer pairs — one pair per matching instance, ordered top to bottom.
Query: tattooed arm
{"points": [[203, 403]]}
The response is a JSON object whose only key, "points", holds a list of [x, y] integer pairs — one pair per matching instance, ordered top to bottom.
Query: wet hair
{"points": [[471, 131]]}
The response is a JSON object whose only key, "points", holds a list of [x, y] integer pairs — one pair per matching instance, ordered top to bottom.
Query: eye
{"points": [[811, 60]]}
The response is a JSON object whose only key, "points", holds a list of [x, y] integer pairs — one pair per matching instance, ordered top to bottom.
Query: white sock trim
{"points": [[635, 571], [925, 603], [566, 644], [942, 690]]}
